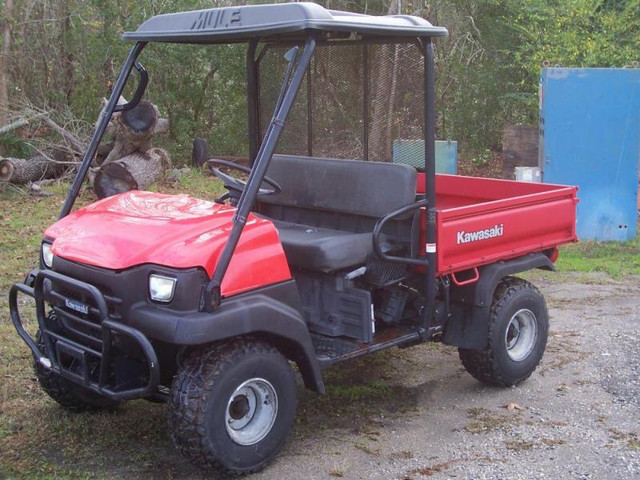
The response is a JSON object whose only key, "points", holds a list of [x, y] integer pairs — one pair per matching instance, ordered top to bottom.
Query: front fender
{"points": [[272, 313]]}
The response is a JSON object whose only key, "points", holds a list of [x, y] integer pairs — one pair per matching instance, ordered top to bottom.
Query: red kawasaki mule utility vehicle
{"points": [[312, 260]]}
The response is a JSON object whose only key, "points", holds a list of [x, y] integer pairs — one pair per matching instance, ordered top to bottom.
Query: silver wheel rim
{"points": [[521, 334], [251, 411]]}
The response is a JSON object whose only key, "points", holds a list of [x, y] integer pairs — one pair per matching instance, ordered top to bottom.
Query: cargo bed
{"points": [[481, 220]]}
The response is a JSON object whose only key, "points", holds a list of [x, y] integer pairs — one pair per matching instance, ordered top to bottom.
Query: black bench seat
{"points": [[327, 208], [323, 249]]}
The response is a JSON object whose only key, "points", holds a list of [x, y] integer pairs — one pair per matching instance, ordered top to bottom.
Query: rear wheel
{"points": [[518, 330], [69, 395], [232, 406]]}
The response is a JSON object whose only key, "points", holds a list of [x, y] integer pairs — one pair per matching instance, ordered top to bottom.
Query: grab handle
{"points": [[461, 283]]}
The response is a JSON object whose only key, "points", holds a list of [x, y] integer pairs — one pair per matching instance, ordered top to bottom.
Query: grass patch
{"points": [[618, 259], [356, 398], [631, 439]]}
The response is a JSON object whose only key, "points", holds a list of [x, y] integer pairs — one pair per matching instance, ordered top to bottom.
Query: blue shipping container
{"points": [[590, 137]]}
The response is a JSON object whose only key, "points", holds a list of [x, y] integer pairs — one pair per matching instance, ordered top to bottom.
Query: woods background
{"points": [[61, 56]]}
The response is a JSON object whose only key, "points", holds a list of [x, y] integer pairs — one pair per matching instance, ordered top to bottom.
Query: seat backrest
{"points": [[352, 187]]}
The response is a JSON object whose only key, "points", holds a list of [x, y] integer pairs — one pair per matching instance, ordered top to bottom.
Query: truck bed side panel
{"points": [[481, 221]]}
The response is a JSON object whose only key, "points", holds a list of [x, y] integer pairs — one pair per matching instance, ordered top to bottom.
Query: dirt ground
{"points": [[415, 413]]}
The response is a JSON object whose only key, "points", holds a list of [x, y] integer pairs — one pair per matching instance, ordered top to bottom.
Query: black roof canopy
{"points": [[244, 23]]}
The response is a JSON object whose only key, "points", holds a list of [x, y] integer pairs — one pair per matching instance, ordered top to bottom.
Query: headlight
{"points": [[47, 255], [161, 289]]}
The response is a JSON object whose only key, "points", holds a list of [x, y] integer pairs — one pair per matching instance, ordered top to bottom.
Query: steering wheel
{"points": [[235, 186]]}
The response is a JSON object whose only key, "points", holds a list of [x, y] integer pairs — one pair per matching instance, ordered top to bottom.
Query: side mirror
{"points": [[142, 86]]}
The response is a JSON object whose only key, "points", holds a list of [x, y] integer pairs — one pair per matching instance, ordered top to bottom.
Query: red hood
{"points": [[177, 231]]}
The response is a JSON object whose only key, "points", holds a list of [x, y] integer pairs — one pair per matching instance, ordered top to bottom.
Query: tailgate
{"points": [[473, 235]]}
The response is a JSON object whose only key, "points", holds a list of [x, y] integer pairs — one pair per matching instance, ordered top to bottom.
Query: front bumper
{"points": [[89, 357]]}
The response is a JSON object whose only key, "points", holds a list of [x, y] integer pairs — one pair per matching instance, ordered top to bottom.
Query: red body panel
{"points": [[481, 220], [176, 231]]}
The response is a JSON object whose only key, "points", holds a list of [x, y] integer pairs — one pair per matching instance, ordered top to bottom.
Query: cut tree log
{"points": [[133, 130], [103, 152], [200, 152], [129, 162], [39, 167], [135, 171]]}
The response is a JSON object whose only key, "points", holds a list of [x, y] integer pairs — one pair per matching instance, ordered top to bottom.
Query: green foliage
{"points": [[68, 53], [490, 66], [12, 145], [482, 159]]}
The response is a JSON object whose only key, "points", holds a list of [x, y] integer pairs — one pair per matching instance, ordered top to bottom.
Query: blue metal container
{"points": [[590, 137], [411, 152]]}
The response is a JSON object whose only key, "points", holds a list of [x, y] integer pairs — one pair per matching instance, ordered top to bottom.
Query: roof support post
{"points": [[252, 100], [365, 101], [309, 113], [103, 122], [263, 158], [430, 180]]}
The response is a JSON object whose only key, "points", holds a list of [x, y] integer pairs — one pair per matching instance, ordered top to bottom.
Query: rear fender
{"points": [[468, 326]]}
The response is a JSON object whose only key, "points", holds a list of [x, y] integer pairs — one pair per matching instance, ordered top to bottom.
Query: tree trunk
{"points": [[65, 49], [4, 61], [39, 167], [133, 172]]}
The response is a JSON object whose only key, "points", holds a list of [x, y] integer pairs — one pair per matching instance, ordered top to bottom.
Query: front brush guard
{"points": [[34, 287]]}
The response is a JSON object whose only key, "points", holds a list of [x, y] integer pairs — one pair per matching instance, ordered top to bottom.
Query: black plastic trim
{"points": [[272, 313]]}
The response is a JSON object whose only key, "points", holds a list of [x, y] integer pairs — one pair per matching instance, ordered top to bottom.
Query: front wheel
{"points": [[518, 330], [232, 406]]}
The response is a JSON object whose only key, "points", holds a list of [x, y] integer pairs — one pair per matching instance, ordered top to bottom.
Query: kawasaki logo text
{"points": [[466, 237]]}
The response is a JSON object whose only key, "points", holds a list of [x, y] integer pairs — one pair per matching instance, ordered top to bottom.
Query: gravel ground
{"points": [[580, 416]]}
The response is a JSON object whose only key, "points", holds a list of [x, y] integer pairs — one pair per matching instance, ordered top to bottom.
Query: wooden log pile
{"points": [[51, 162], [127, 162], [130, 162]]}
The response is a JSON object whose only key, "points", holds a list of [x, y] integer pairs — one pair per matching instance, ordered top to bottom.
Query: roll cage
{"points": [[302, 26]]}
